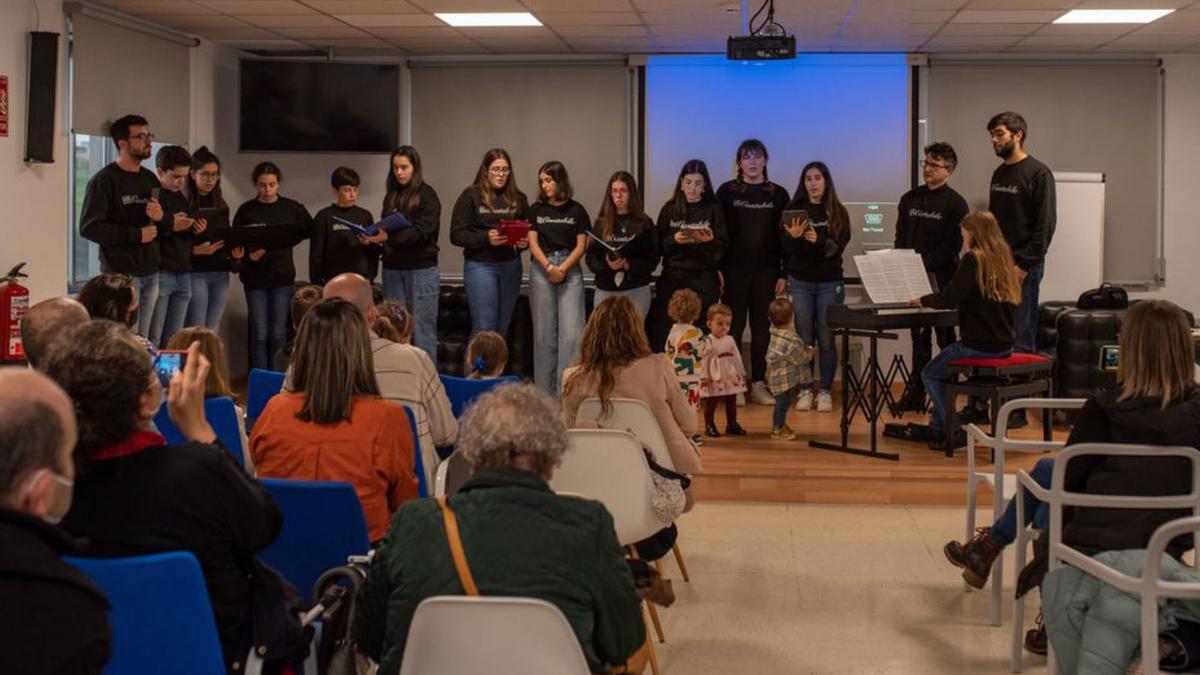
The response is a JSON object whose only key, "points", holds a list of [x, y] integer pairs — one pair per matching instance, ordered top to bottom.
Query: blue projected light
{"points": [[850, 111]]}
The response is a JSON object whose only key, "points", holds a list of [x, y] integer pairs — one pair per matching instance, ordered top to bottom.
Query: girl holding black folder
{"points": [[622, 249], [211, 263], [491, 266], [269, 275]]}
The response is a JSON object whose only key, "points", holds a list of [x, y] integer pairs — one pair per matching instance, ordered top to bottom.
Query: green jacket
{"points": [[520, 540]]}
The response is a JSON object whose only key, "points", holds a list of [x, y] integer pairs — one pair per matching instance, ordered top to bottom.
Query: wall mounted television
{"points": [[310, 106]]}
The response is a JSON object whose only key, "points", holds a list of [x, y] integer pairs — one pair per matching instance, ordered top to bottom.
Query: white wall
{"points": [[34, 196]]}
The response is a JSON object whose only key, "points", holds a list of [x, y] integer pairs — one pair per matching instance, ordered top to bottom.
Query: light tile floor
{"points": [[824, 589]]}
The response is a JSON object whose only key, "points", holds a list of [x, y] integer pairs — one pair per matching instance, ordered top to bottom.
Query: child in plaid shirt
{"points": [[788, 368]]}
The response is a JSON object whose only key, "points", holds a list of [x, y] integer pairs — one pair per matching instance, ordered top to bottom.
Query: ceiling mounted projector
{"points": [[767, 41]]}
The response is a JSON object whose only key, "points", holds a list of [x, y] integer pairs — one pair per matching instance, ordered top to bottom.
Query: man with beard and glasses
{"points": [[1021, 197], [121, 213]]}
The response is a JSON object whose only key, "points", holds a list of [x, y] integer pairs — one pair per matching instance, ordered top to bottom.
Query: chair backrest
{"points": [[262, 386], [462, 391], [221, 413], [634, 416], [419, 459], [609, 466], [451, 474], [323, 524], [161, 616], [498, 635]]}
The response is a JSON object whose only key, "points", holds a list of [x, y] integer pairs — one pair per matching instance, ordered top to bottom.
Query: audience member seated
{"points": [[113, 297], [302, 300], [44, 321], [395, 322], [487, 356], [615, 361], [405, 374], [217, 382], [1156, 402], [332, 425], [135, 495], [519, 539], [55, 620]]}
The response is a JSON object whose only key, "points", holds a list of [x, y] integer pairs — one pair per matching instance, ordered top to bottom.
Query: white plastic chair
{"points": [[636, 417], [609, 466], [1002, 485], [1057, 497], [499, 635]]}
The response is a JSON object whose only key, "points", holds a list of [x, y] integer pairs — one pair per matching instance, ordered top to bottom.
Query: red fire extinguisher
{"points": [[14, 302]]}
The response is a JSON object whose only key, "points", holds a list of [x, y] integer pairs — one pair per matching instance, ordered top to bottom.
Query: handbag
{"points": [[1107, 296], [280, 638]]}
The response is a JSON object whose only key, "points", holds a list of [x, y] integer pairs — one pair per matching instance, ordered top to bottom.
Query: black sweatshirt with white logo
{"points": [[1023, 200], [114, 213], [752, 214], [471, 220], [217, 223], [928, 224], [558, 226], [636, 239], [415, 247], [174, 248], [334, 249], [705, 257], [820, 260], [276, 268], [983, 323]]}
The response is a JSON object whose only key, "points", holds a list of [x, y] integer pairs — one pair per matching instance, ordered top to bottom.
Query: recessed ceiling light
{"points": [[1112, 15], [488, 19]]}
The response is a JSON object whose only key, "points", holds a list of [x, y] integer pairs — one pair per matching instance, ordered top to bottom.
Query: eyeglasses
{"points": [[144, 136], [752, 154], [932, 165], [499, 170], [208, 175]]}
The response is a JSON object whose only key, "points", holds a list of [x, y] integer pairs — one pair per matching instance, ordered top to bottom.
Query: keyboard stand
{"points": [[866, 395]]}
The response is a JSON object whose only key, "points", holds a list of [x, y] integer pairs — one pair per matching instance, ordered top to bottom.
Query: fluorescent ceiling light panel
{"points": [[1112, 15], [488, 19]]}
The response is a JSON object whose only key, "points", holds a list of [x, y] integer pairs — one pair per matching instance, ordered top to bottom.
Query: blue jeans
{"points": [[147, 290], [418, 291], [492, 291], [209, 292], [174, 293], [640, 297], [812, 299], [269, 310], [1027, 313], [557, 321], [936, 378], [782, 403], [1004, 530]]}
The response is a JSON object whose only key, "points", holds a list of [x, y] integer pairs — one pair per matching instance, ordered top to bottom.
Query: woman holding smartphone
{"points": [[693, 238], [557, 240], [813, 246], [622, 249], [410, 255], [211, 263], [491, 265], [269, 276]]}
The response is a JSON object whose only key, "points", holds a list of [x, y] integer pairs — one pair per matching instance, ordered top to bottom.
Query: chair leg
{"points": [[679, 561], [659, 566], [654, 619], [653, 654]]}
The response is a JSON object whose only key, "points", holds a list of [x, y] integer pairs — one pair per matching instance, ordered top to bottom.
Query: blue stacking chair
{"points": [[263, 386], [462, 391], [220, 413], [419, 462], [323, 524], [161, 616]]}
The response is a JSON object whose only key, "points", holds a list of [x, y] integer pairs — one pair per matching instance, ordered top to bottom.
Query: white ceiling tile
{"points": [[912, 4], [1020, 4], [1133, 4], [470, 5], [696, 5], [257, 6], [362, 6], [537, 6], [154, 8], [789, 14], [900, 15], [1005, 16], [1180, 16], [697, 17], [589, 18], [292, 20], [390, 20], [201, 21], [1157, 28], [994, 29], [1110, 29], [888, 31], [326, 32], [417, 32], [508, 32], [601, 32], [237, 33], [1063, 41], [1151, 42], [363, 43], [971, 43], [275, 44], [525, 46], [610, 46]]}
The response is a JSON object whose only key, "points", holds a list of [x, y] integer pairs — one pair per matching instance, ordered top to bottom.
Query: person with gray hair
{"points": [[47, 319], [518, 538], [57, 619]]}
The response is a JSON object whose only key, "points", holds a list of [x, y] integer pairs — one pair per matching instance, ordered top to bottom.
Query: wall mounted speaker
{"points": [[43, 85]]}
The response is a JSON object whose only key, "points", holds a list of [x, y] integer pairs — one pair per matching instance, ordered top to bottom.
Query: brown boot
{"points": [[975, 557]]}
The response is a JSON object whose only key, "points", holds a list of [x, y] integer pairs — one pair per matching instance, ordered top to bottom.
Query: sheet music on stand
{"points": [[893, 275]]}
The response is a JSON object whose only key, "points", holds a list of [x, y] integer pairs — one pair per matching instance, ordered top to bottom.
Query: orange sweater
{"points": [[374, 452]]}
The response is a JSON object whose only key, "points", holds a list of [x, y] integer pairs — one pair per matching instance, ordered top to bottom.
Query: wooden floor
{"points": [[758, 468]]}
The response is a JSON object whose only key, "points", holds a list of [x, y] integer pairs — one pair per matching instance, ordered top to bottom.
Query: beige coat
{"points": [[650, 379]]}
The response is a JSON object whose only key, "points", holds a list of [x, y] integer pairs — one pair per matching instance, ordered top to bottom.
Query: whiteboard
{"points": [[1075, 261]]}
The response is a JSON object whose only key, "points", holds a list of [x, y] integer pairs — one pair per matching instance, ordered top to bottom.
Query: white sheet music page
{"points": [[893, 275]]}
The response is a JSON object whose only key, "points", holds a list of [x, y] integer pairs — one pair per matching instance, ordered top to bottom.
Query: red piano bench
{"points": [[999, 380]]}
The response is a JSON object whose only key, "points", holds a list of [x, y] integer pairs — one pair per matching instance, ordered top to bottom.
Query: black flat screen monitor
{"points": [[305, 106]]}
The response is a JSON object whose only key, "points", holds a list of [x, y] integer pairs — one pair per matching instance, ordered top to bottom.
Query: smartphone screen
{"points": [[154, 192], [1110, 357], [167, 363]]}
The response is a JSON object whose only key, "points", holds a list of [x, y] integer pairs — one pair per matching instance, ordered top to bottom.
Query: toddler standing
{"points": [[686, 345], [788, 368], [722, 376]]}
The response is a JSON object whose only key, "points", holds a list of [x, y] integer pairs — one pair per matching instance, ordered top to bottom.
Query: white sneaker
{"points": [[760, 394], [741, 399], [805, 400], [824, 402]]}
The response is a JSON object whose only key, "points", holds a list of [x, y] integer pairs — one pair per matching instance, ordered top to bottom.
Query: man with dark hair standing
{"points": [[1022, 198], [121, 213], [928, 223], [174, 245], [56, 619]]}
